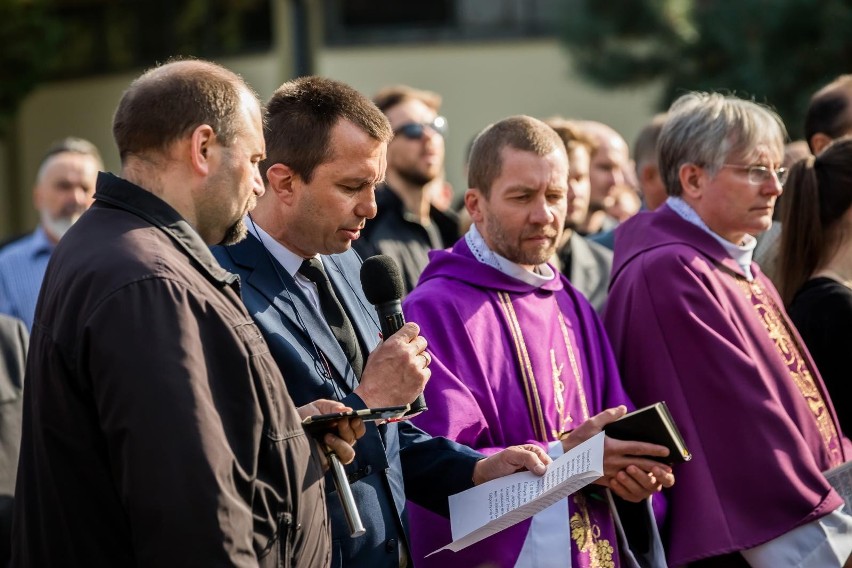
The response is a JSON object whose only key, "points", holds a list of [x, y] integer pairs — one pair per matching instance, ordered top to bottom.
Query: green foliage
{"points": [[30, 39], [59, 39], [774, 51]]}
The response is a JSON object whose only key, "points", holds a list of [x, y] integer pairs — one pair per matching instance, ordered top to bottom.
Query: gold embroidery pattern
{"points": [[791, 353], [574, 366], [527, 376], [559, 391], [587, 536]]}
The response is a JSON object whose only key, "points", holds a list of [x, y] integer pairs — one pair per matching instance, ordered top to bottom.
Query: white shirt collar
{"points": [[741, 253], [485, 255], [286, 258]]}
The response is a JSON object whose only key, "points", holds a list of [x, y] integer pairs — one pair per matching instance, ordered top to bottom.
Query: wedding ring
{"points": [[426, 359]]}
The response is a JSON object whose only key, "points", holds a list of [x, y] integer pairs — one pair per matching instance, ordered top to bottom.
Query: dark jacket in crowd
{"points": [[396, 233], [157, 428]]}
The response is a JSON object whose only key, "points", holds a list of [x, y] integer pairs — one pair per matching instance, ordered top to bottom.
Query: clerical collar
{"points": [[740, 253], [485, 255]]}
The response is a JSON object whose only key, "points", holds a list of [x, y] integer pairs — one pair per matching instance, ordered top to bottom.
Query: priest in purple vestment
{"points": [[694, 322], [519, 356]]}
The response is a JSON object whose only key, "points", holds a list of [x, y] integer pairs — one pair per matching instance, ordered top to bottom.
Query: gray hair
{"points": [[706, 128], [72, 145]]}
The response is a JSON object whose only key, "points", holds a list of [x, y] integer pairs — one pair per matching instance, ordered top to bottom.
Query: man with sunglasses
{"points": [[408, 224], [694, 322]]}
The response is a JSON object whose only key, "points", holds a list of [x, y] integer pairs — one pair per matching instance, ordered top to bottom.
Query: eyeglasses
{"points": [[415, 130], [758, 175]]}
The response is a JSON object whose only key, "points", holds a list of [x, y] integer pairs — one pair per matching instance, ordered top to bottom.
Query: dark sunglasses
{"points": [[415, 130]]}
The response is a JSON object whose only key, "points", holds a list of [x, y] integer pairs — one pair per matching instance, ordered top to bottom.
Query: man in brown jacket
{"points": [[158, 430]]}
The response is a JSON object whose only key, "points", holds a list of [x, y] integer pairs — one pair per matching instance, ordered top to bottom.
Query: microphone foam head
{"points": [[381, 280]]}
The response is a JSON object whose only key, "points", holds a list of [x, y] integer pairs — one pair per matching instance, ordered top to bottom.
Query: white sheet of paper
{"points": [[498, 504]]}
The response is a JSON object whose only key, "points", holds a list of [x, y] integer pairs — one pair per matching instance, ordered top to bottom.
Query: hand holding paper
{"points": [[513, 459], [498, 504]]}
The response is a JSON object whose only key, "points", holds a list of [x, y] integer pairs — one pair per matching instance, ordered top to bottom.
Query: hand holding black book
{"points": [[653, 424]]}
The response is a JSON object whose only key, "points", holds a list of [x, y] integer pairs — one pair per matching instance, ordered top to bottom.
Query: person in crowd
{"points": [[829, 113], [326, 146], [647, 168], [609, 169], [610, 175], [65, 184], [408, 224], [586, 264], [816, 264], [694, 322], [13, 356], [519, 356], [157, 428]]}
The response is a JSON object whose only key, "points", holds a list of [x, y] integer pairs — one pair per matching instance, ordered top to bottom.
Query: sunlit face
{"points": [[417, 161], [607, 170], [236, 183], [578, 186], [64, 190], [730, 205], [330, 211], [523, 215]]}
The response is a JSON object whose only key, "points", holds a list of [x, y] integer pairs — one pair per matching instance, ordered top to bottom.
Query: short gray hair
{"points": [[706, 128], [71, 145]]}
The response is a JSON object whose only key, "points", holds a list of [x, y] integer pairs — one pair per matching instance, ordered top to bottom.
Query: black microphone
{"points": [[382, 284]]}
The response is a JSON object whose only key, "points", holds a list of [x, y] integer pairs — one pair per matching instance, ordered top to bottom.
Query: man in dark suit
{"points": [[326, 147], [13, 357]]}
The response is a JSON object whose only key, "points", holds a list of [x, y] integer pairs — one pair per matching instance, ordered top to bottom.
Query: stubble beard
{"points": [[416, 177], [238, 231], [235, 233], [515, 251]]}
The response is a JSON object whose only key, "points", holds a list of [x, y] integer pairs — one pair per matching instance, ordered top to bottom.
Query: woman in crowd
{"points": [[816, 264]]}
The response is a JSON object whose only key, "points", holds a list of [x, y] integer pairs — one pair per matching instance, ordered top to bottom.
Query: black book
{"points": [[651, 424]]}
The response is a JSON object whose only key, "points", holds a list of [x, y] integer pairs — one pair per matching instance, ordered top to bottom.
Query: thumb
{"points": [[408, 332], [608, 416]]}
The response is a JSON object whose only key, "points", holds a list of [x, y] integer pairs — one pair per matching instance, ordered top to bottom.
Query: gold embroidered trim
{"points": [[791, 352], [574, 367], [527, 376], [587, 536]]}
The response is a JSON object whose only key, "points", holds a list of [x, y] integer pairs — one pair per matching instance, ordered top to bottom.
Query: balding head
{"points": [[168, 102]]}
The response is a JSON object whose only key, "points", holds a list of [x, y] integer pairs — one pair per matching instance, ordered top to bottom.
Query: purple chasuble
{"points": [[511, 364], [744, 391]]}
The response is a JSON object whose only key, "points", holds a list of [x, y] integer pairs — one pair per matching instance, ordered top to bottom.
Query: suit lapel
{"points": [[270, 279]]}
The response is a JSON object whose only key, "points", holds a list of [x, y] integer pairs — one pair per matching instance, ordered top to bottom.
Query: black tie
{"points": [[334, 313]]}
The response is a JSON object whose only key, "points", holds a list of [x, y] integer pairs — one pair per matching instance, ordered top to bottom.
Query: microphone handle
{"points": [[391, 320], [347, 500]]}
